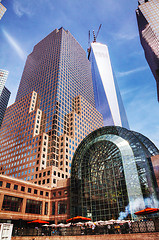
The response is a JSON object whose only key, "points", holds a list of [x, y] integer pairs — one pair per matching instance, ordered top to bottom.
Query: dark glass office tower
{"points": [[148, 24], [4, 93], [4, 98], [54, 110]]}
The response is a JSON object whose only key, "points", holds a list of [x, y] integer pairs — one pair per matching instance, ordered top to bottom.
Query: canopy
{"points": [[147, 211], [78, 219], [38, 221]]}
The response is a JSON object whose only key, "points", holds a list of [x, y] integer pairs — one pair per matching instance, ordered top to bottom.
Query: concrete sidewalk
{"points": [[136, 236]]}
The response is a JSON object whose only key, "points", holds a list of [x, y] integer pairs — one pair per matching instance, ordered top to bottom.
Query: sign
{"points": [[6, 231]]}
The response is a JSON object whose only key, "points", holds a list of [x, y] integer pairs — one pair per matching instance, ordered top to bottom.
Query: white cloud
{"points": [[22, 7], [30, 7], [126, 36], [15, 45], [126, 73], [127, 91]]}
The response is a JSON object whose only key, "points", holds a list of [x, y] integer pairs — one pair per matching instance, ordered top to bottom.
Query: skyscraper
{"points": [[2, 10], [148, 24], [3, 78], [106, 91], [4, 93], [4, 98], [54, 110]]}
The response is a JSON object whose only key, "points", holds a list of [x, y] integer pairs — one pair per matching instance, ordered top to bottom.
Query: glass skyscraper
{"points": [[148, 24], [106, 91], [4, 94], [54, 110]]}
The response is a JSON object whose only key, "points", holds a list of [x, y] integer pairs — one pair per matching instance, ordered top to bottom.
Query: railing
{"points": [[143, 226]]}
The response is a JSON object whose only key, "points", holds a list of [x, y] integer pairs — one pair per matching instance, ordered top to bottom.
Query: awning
{"points": [[147, 211], [78, 219], [38, 221]]}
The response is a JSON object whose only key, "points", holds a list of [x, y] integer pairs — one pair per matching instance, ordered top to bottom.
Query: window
{"points": [[48, 180], [54, 180], [1, 183], [7, 185], [15, 187], [22, 189], [29, 190], [35, 191], [41, 193], [59, 193], [47, 194], [12, 203], [33, 206], [62, 206], [46, 208], [53, 208]]}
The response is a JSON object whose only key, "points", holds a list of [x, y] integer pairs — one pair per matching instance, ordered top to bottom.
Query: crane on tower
{"points": [[94, 39]]}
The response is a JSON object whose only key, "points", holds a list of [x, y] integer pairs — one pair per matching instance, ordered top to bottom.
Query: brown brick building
{"points": [[54, 110], [20, 200]]}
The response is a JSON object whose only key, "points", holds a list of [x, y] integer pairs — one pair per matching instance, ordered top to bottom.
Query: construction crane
{"points": [[94, 39]]}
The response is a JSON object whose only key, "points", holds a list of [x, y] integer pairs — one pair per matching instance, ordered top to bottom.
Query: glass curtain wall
{"points": [[111, 169]]}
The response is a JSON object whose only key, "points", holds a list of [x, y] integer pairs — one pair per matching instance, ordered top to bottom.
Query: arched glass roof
{"points": [[111, 168]]}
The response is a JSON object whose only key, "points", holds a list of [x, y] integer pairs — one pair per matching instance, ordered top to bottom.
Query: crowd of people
{"points": [[92, 229]]}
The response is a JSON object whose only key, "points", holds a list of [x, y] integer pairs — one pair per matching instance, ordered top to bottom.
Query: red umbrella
{"points": [[147, 211], [78, 219], [38, 221]]}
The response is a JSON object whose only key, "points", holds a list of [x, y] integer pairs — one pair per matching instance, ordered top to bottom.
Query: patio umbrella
{"points": [[147, 211], [78, 219], [38, 221], [112, 221], [100, 222], [89, 223], [79, 224], [45, 225], [53, 225], [61, 225], [68, 225]]}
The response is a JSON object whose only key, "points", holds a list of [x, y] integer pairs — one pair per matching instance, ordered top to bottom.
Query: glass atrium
{"points": [[112, 173]]}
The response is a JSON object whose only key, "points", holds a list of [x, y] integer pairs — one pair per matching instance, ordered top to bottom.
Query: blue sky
{"points": [[26, 22]]}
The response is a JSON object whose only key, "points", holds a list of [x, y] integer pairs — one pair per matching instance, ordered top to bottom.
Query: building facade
{"points": [[2, 10], [148, 22], [3, 78], [4, 93], [4, 98], [108, 100], [54, 110], [155, 163], [112, 173], [22, 201]]}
